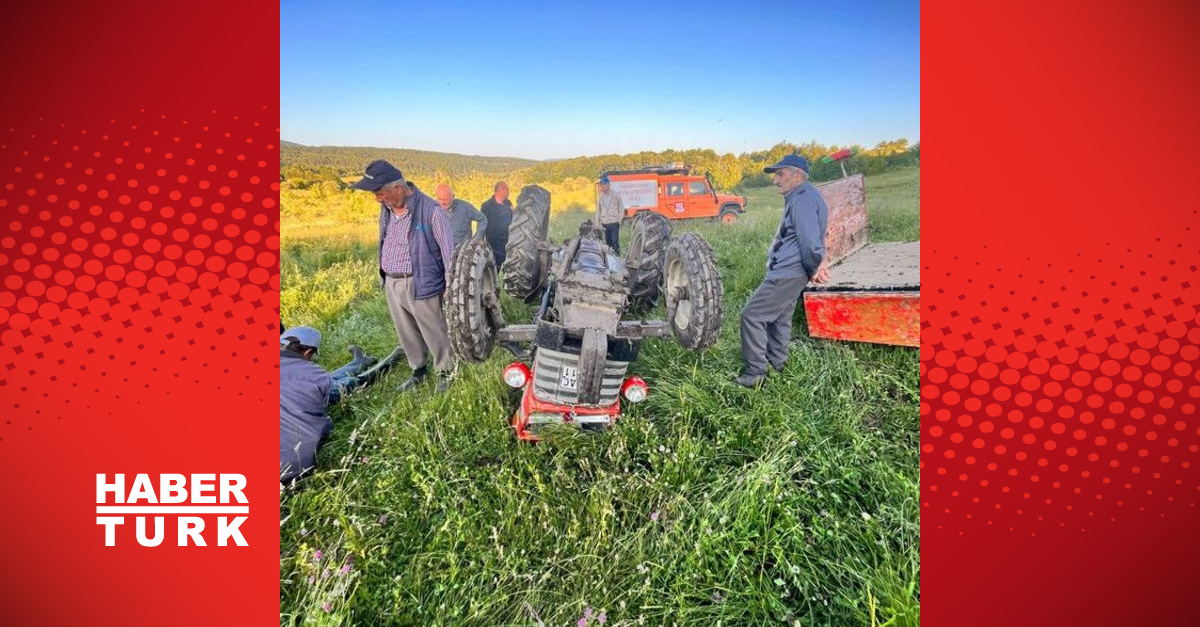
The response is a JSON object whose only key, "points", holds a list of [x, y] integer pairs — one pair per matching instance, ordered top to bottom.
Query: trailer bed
{"points": [[874, 295]]}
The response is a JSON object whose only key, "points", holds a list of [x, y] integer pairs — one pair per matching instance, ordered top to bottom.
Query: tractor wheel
{"points": [[728, 215], [644, 258], [524, 269], [695, 298], [473, 302], [592, 361]]}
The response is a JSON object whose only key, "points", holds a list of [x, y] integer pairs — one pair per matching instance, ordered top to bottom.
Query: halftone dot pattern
{"points": [[127, 274], [1061, 396]]}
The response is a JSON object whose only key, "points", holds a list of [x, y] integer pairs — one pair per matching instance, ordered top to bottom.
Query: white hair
{"points": [[795, 169], [396, 183]]}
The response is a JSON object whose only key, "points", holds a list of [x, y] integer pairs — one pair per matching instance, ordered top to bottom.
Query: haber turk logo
{"points": [[200, 505]]}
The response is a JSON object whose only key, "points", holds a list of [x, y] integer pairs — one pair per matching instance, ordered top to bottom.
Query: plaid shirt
{"points": [[396, 259]]}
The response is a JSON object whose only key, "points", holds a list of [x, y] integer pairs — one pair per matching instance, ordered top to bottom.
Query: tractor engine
{"points": [[573, 363]]}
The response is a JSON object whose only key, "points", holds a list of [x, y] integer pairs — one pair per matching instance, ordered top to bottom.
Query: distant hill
{"points": [[350, 160], [299, 162]]}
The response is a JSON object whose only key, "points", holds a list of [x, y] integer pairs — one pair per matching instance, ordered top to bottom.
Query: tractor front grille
{"points": [[556, 378]]}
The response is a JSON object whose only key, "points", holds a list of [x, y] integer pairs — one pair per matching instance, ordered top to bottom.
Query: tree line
{"points": [[305, 164]]}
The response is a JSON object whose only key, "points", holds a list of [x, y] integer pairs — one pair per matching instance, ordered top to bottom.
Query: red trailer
{"points": [[874, 294]]}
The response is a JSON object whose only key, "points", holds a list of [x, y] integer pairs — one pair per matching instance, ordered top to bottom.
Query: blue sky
{"points": [[556, 80]]}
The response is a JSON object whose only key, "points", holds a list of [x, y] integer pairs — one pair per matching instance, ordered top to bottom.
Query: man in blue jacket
{"points": [[416, 249], [797, 254], [305, 390]]}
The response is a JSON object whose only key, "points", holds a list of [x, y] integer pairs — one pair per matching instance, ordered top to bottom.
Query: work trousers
{"points": [[612, 236], [767, 323], [420, 325]]}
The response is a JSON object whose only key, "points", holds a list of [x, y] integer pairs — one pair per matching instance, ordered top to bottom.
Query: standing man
{"points": [[609, 211], [499, 213], [461, 214], [415, 254], [796, 255]]}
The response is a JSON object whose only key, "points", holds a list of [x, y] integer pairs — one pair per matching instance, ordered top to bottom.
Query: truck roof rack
{"points": [[666, 168]]}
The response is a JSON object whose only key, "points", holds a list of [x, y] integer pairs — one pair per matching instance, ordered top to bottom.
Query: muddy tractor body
{"points": [[581, 340]]}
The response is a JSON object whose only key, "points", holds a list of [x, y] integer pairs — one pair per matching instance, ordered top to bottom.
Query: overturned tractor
{"points": [[581, 345]]}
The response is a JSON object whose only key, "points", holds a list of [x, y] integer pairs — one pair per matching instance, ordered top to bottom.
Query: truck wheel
{"points": [[729, 215], [644, 258], [524, 270], [695, 297], [473, 302]]}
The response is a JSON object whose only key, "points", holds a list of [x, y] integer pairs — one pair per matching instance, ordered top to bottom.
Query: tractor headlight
{"points": [[516, 375], [635, 390]]}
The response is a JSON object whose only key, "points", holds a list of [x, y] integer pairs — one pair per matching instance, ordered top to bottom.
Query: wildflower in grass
{"points": [[364, 459], [866, 516], [654, 517], [382, 518], [303, 532], [317, 555], [344, 570], [325, 574], [312, 579], [327, 606], [587, 612], [602, 618], [583, 622]]}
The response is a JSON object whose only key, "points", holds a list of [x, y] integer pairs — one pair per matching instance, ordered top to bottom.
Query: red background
{"points": [[139, 306], [1059, 329]]}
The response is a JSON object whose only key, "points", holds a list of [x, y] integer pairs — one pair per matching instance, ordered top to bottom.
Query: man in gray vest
{"points": [[461, 214], [415, 254], [796, 255]]}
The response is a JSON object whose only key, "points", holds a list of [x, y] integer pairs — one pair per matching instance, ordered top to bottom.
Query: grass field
{"points": [[795, 504]]}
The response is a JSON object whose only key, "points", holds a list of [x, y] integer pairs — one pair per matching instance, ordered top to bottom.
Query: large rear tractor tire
{"points": [[644, 258], [524, 267], [695, 296], [473, 316]]}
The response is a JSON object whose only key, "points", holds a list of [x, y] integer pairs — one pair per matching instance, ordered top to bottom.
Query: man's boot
{"points": [[417, 377], [750, 380], [443, 382]]}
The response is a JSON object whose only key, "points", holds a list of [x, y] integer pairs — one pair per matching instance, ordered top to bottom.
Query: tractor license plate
{"points": [[569, 378]]}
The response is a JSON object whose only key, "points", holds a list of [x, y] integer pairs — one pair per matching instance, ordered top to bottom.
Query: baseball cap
{"points": [[795, 161], [377, 174], [305, 336]]}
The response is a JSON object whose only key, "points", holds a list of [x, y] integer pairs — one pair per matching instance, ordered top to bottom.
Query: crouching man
{"points": [[306, 389]]}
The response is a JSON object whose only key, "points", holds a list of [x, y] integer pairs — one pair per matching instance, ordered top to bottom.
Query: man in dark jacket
{"points": [[499, 212], [415, 254], [796, 255], [305, 390]]}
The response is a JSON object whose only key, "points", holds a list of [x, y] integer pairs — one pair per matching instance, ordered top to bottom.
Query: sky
{"points": [[565, 79]]}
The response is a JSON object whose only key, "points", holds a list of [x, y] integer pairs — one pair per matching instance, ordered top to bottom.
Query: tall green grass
{"points": [[708, 504]]}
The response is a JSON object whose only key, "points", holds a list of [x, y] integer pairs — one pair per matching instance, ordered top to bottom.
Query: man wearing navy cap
{"points": [[609, 211], [415, 253], [796, 255]]}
